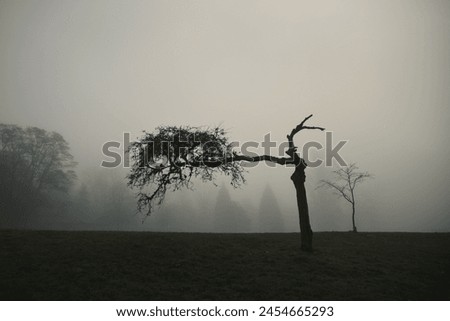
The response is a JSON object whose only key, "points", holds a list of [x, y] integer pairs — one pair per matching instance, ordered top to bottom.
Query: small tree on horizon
{"points": [[170, 157], [344, 183]]}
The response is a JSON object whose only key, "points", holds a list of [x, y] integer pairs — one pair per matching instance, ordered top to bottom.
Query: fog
{"points": [[374, 73]]}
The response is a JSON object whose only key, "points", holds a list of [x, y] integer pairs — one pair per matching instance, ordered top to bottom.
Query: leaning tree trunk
{"points": [[299, 182], [306, 233]]}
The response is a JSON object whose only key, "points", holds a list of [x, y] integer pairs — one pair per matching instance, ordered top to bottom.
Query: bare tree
{"points": [[169, 158], [344, 183]]}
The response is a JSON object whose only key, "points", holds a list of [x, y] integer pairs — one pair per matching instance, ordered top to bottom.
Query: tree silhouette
{"points": [[170, 157], [33, 163], [344, 183], [229, 216], [270, 217]]}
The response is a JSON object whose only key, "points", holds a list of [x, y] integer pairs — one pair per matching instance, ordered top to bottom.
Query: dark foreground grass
{"points": [[171, 266]]}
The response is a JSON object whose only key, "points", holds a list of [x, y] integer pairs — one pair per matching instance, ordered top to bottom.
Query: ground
{"points": [[45, 265]]}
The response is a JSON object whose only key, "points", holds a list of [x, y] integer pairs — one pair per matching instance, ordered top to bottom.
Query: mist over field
{"points": [[375, 73]]}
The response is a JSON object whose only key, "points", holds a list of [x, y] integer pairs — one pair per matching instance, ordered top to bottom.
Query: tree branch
{"points": [[290, 137], [236, 158], [360, 178], [340, 190]]}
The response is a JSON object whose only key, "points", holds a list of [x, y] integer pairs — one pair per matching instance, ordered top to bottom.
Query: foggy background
{"points": [[375, 73]]}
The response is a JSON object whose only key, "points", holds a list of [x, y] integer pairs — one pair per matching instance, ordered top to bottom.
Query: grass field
{"points": [[37, 265]]}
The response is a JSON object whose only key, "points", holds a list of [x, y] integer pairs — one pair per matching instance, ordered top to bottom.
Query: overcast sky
{"points": [[375, 73]]}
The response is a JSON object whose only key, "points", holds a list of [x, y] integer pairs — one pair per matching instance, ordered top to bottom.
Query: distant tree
{"points": [[171, 156], [33, 162], [344, 184], [81, 204], [229, 216], [270, 217]]}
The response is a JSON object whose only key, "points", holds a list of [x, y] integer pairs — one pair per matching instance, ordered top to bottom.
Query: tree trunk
{"points": [[353, 218], [305, 228]]}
